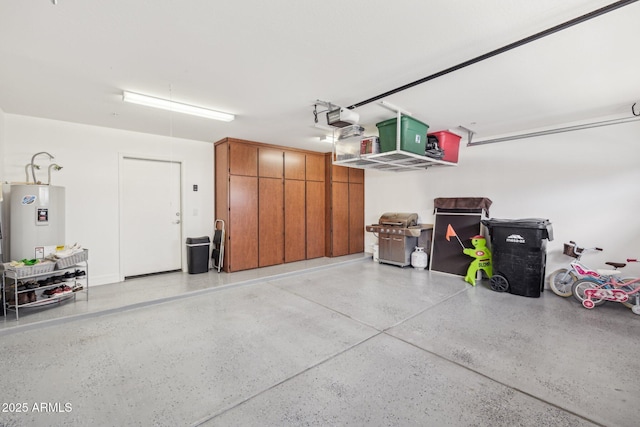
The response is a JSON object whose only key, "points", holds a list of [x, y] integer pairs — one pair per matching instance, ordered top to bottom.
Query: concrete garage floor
{"points": [[352, 343]]}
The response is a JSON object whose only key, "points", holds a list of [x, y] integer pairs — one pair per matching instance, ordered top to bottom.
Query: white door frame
{"points": [[121, 159]]}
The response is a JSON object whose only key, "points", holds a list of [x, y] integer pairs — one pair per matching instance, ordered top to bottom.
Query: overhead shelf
{"points": [[397, 160], [394, 161]]}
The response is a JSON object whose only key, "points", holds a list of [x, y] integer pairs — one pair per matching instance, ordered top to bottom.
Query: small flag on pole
{"points": [[450, 233]]}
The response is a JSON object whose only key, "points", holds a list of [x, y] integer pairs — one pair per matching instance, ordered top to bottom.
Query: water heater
{"points": [[37, 220]]}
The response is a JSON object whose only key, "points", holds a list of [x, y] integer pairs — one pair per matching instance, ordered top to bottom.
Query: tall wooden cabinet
{"points": [[236, 176], [273, 201], [294, 206], [315, 206], [270, 207], [345, 209]]}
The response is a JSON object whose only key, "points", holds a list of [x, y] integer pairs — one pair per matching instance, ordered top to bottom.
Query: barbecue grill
{"points": [[398, 235]]}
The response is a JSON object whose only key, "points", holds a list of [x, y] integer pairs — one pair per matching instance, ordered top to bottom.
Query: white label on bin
{"points": [[418, 139], [516, 238]]}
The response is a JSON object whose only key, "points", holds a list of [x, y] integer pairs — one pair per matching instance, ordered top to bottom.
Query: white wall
{"points": [[1, 145], [89, 156], [585, 182], [2, 226]]}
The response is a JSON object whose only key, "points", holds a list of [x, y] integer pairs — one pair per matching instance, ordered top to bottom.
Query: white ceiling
{"points": [[269, 61]]}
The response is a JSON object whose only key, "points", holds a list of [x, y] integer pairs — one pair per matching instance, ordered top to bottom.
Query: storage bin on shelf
{"points": [[413, 135], [449, 142], [348, 144], [369, 145], [348, 148], [72, 260], [31, 270]]}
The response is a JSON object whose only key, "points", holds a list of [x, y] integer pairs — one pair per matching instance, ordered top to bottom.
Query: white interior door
{"points": [[151, 216]]}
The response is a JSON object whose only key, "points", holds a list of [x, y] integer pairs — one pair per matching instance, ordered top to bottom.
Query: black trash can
{"points": [[519, 249], [198, 254]]}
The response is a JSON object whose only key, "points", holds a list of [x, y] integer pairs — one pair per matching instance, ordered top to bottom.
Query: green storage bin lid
{"points": [[402, 119]]}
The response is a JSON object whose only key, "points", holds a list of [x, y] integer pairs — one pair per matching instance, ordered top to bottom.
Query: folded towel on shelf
{"points": [[66, 252]]}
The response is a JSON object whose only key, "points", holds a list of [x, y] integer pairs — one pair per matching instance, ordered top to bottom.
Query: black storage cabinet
{"points": [[519, 248], [198, 254]]}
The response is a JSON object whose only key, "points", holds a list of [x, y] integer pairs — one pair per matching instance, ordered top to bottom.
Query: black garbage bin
{"points": [[519, 248], [198, 254]]}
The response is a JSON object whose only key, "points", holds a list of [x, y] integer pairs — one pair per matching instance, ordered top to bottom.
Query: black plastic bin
{"points": [[519, 248], [198, 254]]}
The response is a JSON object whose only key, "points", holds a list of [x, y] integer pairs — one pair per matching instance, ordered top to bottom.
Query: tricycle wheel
{"points": [[499, 283]]}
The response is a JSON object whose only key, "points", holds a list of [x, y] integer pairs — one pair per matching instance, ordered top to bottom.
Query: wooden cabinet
{"points": [[243, 159], [270, 162], [294, 165], [315, 167], [339, 173], [356, 176], [236, 190], [273, 202], [316, 205], [345, 210], [356, 217], [339, 218], [315, 219], [271, 222], [295, 223], [242, 224]]}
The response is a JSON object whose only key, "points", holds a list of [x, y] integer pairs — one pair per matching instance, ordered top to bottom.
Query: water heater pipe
{"points": [[33, 173]]}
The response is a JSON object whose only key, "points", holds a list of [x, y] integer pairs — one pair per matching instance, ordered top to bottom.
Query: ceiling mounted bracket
{"points": [[394, 108], [469, 132]]}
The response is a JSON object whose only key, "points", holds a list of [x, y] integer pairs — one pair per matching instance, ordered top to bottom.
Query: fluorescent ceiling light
{"points": [[164, 104], [328, 138]]}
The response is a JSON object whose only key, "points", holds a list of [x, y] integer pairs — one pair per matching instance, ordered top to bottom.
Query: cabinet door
{"points": [[243, 159], [270, 162], [294, 165], [315, 167], [339, 173], [356, 175], [339, 218], [356, 218], [315, 219], [294, 220], [271, 222], [243, 223]]}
